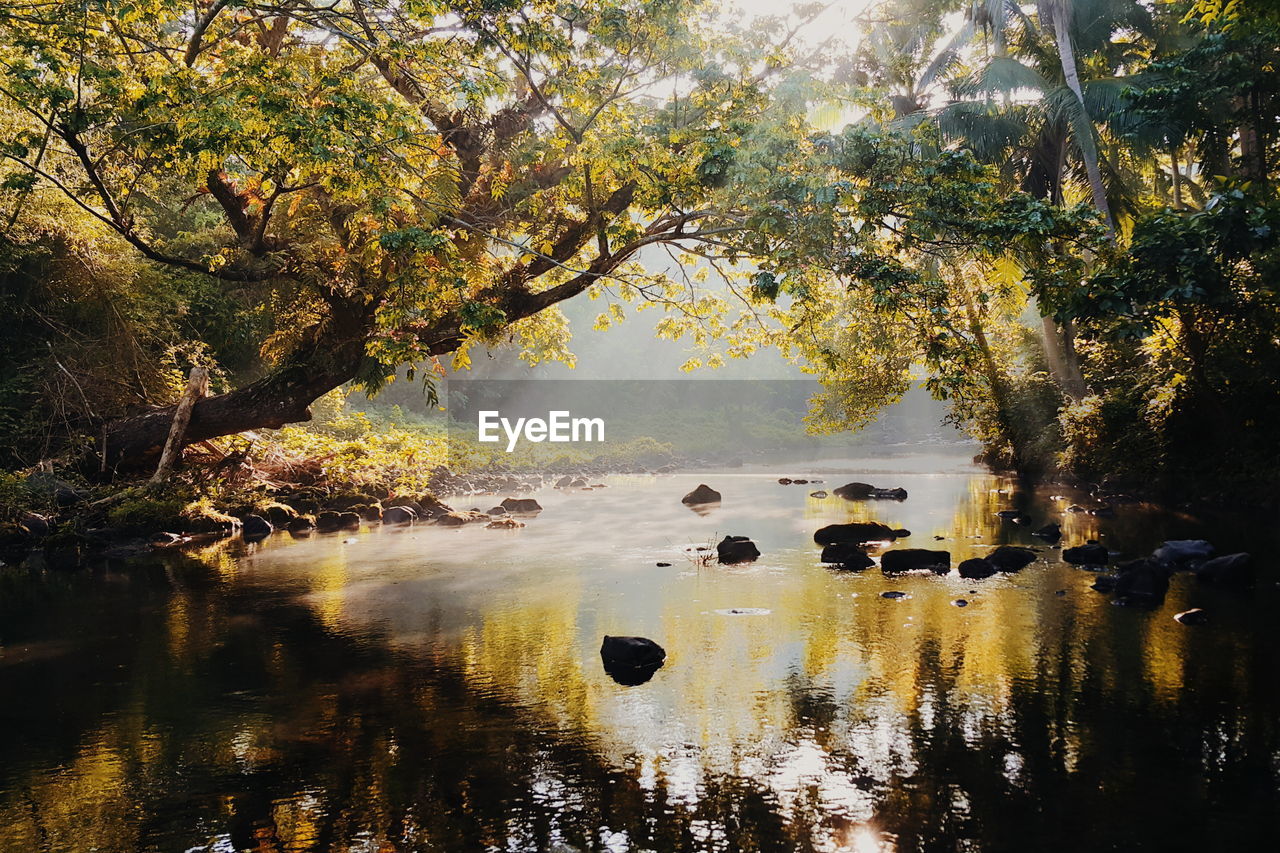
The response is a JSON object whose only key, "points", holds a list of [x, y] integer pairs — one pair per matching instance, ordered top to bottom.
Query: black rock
{"points": [[784, 481], [866, 491], [704, 494], [521, 505], [397, 515], [328, 521], [300, 524], [35, 526], [255, 527], [857, 531], [902, 532], [1050, 532], [737, 549], [1182, 553], [1091, 554], [848, 555], [1010, 558], [910, 559], [662, 565], [976, 569], [1235, 570], [1141, 582], [1104, 583], [894, 594], [960, 602], [631, 660]]}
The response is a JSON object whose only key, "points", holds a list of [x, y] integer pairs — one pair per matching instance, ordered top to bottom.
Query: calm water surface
{"points": [[433, 689]]}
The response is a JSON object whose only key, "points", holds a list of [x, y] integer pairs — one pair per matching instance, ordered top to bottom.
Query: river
{"points": [[442, 689]]}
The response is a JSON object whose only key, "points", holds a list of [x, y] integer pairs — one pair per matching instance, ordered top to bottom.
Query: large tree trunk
{"points": [[332, 354]]}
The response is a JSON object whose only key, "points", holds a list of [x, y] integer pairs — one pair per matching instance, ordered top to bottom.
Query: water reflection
{"points": [[442, 689]]}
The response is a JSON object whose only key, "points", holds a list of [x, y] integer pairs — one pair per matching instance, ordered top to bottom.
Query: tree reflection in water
{"points": [[207, 703]]}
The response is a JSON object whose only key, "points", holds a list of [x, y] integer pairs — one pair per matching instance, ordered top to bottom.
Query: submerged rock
{"points": [[704, 494], [818, 494], [459, 518], [504, 523], [857, 531], [737, 549], [1091, 554], [848, 555], [1011, 558], [912, 559], [1234, 570], [894, 594], [960, 602], [631, 661]]}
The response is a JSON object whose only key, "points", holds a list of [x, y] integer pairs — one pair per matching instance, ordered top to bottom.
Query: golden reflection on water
{"points": [[822, 695]]}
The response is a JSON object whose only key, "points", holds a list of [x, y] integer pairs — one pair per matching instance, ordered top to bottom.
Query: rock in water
{"points": [[854, 491], [866, 491], [704, 494], [818, 494], [524, 505], [399, 515], [458, 519], [505, 523], [255, 527], [857, 531], [1049, 533], [737, 549], [1180, 553], [1091, 554], [848, 555], [1010, 558], [911, 559], [976, 569], [1235, 570], [1141, 582], [895, 595], [1194, 616], [631, 660]]}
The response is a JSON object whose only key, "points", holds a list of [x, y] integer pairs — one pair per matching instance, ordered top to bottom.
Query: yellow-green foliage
{"points": [[355, 452], [15, 498]]}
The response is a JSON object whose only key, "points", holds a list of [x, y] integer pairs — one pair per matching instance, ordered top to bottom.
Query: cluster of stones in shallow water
{"points": [[1142, 582]]}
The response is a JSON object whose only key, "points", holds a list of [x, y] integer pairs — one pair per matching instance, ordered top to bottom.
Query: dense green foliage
{"points": [[1061, 216]]}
